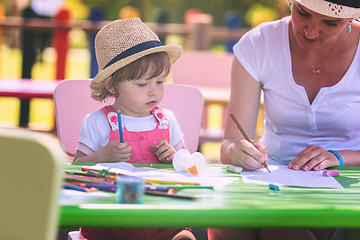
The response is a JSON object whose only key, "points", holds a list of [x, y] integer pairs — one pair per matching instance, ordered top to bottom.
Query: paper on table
{"points": [[164, 174], [282, 175], [72, 193], [71, 197]]}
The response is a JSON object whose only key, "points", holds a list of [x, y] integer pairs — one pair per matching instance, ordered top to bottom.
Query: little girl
{"points": [[133, 66]]}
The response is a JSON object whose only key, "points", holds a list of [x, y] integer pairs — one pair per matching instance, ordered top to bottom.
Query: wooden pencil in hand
{"points": [[246, 136]]}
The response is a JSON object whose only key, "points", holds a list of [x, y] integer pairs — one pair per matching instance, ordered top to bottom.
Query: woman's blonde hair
{"points": [[149, 66]]}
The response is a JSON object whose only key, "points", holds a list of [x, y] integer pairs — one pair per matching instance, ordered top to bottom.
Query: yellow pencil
{"points": [[170, 182]]}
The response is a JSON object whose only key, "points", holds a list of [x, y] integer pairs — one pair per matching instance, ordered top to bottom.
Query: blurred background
{"points": [[51, 40]]}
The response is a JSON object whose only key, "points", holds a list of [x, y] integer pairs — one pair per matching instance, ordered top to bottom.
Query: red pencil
{"points": [[89, 179]]}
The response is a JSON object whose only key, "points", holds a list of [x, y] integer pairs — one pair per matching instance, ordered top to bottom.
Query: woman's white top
{"points": [[332, 121], [95, 130]]}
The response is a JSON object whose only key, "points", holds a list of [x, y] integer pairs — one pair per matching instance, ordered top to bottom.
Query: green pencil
{"points": [[187, 187]]}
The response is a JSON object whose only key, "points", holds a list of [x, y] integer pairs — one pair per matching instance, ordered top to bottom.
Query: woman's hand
{"points": [[163, 151], [247, 155], [313, 158]]}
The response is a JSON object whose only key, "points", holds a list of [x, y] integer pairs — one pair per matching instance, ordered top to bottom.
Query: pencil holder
{"points": [[130, 189]]}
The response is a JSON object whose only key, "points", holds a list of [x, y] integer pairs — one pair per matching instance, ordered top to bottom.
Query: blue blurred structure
{"points": [[96, 15], [162, 17], [232, 21], [28, 49]]}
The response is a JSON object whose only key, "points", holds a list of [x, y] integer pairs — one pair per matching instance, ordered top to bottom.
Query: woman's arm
{"points": [[244, 104], [350, 158]]}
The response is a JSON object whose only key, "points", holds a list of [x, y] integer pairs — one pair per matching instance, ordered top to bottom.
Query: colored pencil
{"points": [[120, 126], [246, 136], [86, 169], [90, 175], [89, 179], [99, 179], [150, 181], [170, 182], [99, 185], [94, 186], [188, 187], [76, 188], [157, 188], [163, 194]]}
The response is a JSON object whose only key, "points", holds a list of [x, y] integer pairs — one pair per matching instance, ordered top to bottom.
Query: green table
{"points": [[235, 205]]}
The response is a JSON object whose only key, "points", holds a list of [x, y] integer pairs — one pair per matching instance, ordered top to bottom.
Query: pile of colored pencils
{"points": [[90, 181]]}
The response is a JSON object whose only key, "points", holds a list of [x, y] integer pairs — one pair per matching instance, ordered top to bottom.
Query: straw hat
{"points": [[334, 8], [122, 42]]}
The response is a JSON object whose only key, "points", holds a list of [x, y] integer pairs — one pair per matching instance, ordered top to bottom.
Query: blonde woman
{"points": [[307, 66]]}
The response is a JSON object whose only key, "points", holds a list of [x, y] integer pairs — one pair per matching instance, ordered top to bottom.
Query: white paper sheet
{"points": [[164, 174], [283, 176]]}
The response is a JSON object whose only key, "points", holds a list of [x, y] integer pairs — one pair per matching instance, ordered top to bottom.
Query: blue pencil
{"points": [[120, 126], [81, 189]]}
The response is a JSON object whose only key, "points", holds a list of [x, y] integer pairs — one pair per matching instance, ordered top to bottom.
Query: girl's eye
{"points": [[160, 82], [141, 84]]}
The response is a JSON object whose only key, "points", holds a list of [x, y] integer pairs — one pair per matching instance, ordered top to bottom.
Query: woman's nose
{"points": [[311, 31]]}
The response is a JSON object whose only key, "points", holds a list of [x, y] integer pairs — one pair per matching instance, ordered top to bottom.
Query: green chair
{"points": [[30, 183]]}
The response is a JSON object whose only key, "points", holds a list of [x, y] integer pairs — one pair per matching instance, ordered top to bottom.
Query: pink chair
{"points": [[207, 71], [72, 99]]}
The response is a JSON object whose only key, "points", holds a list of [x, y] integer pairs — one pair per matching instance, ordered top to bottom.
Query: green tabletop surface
{"points": [[235, 205]]}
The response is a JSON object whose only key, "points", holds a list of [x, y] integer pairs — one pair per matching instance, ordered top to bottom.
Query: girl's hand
{"points": [[115, 151], [163, 151], [246, 155], [315, 158]]}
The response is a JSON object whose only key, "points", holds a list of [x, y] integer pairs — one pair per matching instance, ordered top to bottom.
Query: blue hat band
{"points": [[348, 3], [134, 50]]}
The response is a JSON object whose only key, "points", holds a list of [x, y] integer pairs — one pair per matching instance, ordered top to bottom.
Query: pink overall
{"points": [[139, 141], [141, 153]]}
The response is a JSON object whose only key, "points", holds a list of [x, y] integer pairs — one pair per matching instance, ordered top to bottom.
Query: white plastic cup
{"points": [[179, 160], [192, 163], [196, 163]]}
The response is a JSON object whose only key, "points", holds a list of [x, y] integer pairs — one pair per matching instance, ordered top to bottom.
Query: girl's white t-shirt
{"points": [[332, 121], [95, 130]]}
